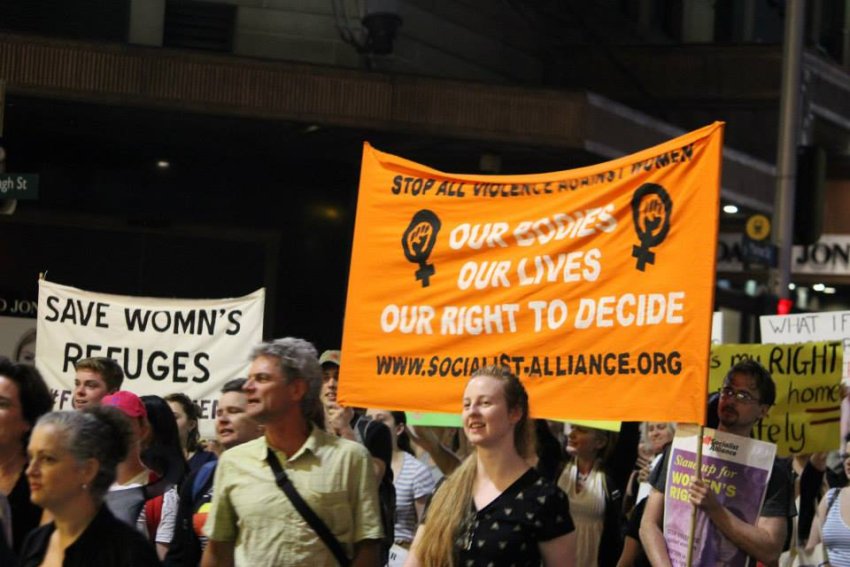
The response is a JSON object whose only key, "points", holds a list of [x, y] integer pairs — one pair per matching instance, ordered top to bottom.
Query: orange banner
{"points": [[594, 285]]}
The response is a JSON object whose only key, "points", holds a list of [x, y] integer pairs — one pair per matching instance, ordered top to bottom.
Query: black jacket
{"points": [[106, 541]]}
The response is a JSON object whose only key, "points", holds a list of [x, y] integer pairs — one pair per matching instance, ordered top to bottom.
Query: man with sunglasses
{"points": [[746, 396]]}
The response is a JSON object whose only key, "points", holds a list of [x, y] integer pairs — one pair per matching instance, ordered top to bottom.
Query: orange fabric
{"points": [[595, 285], [153, 509], [153, 515]]}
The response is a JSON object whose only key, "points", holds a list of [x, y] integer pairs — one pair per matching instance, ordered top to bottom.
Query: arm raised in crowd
{"points": [[443, 457], [651, 535], [218, 554]]}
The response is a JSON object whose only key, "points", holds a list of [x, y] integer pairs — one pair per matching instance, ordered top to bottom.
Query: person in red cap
{"points": [[131, 473]]}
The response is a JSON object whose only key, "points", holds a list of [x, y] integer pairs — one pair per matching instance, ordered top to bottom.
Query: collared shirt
{"points": [[334, 476], [106, 541]]}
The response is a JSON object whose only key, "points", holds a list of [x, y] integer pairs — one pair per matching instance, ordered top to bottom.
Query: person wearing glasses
{"points": [[746, 396]]}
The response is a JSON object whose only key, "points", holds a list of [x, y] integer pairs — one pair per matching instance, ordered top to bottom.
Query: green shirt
{"points": [[334, 476]]}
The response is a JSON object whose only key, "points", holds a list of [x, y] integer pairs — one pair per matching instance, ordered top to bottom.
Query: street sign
{"points": [[2, 104], [20, 186], [758, 227], [755, 252]]}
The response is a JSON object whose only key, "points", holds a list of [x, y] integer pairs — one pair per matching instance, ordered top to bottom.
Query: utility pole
{"points": [[789, 126]]}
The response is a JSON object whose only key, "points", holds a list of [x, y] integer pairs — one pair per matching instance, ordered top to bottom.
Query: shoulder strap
{"points": [[835, 492], [314, 521]]}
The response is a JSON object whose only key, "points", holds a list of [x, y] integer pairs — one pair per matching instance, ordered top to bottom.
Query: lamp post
{"points": [[786, 158]]}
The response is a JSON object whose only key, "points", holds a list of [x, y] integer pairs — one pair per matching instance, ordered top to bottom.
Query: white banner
{"points": [[809, 327], [717, 328], [165, 346]]}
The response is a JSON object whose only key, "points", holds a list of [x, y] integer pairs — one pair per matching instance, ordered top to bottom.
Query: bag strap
{"points": [[836, 492], [314, 521]]}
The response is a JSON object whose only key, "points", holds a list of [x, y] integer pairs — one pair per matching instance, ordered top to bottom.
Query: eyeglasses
{"points": [[740, 395], [844, 456]]}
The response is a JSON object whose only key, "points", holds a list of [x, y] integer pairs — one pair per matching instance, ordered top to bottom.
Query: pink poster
{"points": [[738, 469]]}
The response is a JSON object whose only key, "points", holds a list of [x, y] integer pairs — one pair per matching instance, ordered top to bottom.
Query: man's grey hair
{"points": [[298, 360]]}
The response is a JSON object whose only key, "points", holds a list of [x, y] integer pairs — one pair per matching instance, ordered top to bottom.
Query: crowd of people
{"points": [[293, 478]]}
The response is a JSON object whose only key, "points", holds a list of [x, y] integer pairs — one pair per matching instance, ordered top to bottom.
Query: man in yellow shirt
{"points": [[251, 521]]}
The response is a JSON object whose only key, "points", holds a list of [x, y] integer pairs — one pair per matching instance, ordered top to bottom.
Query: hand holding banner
{"points": [[737, 470]]}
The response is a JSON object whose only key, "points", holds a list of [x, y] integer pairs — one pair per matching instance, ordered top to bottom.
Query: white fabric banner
{"points": [[165, 346]]}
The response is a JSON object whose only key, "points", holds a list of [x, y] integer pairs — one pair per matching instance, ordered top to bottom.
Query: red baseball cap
{"points": [[127, 402]]}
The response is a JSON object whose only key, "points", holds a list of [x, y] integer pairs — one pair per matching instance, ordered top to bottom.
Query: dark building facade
{"points": [[205, 149]]}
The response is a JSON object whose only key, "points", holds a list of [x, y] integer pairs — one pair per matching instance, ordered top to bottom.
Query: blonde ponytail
{"points": [[445, 515]]}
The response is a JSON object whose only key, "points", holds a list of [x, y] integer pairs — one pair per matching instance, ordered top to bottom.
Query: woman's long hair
{"points": [[193, 414], [403, 439], [163, 453], [454, 498]]}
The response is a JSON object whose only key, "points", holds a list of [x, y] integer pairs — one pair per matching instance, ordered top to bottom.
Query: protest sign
{"points": [[594, 285], [717, 327], [806, 327], [164, 346], [805, 418], [434, 419], [455, 420], [606, 425], [737, 469]]}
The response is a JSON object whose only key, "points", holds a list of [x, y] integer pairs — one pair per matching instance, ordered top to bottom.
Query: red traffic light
{"points": [[783, 307]]}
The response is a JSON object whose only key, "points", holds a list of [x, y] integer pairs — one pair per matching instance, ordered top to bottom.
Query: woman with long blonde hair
{"points": [[495, 508]]}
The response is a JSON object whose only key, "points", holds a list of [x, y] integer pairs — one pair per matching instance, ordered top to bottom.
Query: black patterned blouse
{"points": [[507, 531]]}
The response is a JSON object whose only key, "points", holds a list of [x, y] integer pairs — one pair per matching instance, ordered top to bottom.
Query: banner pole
{"points": [[693, 527]]}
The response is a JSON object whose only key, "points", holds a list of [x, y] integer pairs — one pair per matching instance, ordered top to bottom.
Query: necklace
{"points": [[581, 478]]}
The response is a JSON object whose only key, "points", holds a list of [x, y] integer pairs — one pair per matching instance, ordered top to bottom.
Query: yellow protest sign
{"points": [[594, 285], [807, 413]]}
